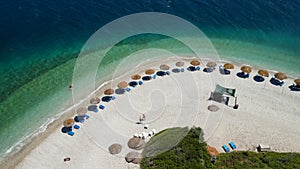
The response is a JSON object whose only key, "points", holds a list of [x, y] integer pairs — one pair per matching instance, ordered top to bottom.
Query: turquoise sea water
{"points": [[41, 40]]}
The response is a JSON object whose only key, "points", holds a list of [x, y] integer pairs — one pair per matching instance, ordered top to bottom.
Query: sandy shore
{"points": [[267, 114]]}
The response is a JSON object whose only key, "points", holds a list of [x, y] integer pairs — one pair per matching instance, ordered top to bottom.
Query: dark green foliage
{"points": [[191, 153], [243, 159]]}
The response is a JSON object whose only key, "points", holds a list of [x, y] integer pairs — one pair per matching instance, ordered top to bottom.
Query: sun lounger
{"points": [[197, 68], [182, 70], [154, 76], [140, 82], [128, 89], [101, 107], [86, 116], [76, 126], [71, 133], [232, 145], [226, 148]]}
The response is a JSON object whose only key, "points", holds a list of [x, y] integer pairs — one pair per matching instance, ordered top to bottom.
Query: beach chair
{"points": [[197, 68], [181, 69], [168, 72], [154, 76], [140, 82], [128, 89], [101, 107], [86, 116], [76, 126], [71, 133], [232, 145], [226, 148]]}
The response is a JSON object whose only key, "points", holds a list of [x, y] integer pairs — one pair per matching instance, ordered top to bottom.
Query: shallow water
{"points": [[41, 40]]}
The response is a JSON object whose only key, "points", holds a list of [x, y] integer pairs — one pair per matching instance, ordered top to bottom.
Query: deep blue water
{"points": [[38, 36]]}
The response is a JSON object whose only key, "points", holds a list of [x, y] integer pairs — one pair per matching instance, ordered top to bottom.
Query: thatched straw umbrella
{"points": [[195, 62], [179, 64], [211, 64], [228, 66], [164, 67], [246, 69], [149, 71], [264, 73], [280, 76], [136, 77], [297, 81], [122, 85], [109, 91], [95, 100], [213, 108], [81, 111], [69, 122], [136, 143], [115, 149], [212, 150], [131, 156], [138, 159]]}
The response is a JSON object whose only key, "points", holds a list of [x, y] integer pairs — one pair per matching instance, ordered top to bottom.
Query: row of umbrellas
{"points": [[122, 85]]}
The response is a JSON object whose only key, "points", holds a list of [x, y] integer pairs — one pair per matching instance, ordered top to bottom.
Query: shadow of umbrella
{"points": [[175, 70], [161, 73], [146, 78], [133, 83], [120, 91], [92, 108]]}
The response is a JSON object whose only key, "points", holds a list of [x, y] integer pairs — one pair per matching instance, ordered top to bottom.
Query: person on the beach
{"points": [[70, 86], [142, 118]]}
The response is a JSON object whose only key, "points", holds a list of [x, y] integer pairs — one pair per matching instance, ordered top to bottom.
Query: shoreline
{"points": [[15, 158]]}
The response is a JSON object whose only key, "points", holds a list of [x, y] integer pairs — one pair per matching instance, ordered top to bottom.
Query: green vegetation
{"points": [[163, 151], [190, 152], [246, 159]]}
